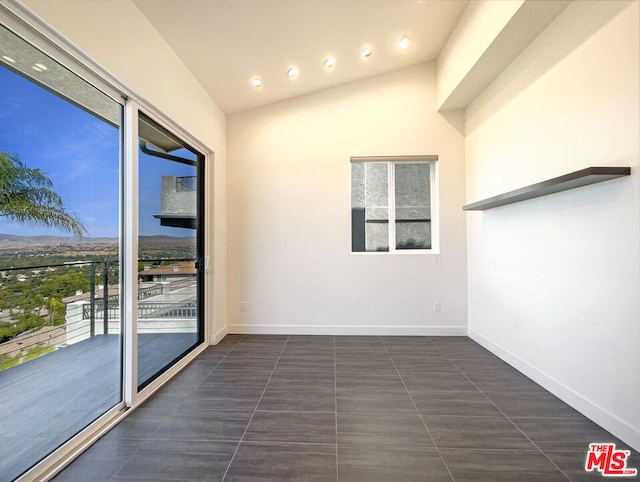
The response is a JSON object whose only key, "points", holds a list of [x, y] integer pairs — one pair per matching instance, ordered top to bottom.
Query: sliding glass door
{"points": [[60, 205], [170, 246], [101, 277]]}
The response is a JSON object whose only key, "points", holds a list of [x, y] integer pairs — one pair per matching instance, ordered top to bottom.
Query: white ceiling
{"points": [[225, 43]]}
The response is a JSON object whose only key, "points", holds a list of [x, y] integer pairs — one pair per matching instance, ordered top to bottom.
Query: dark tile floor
{"points": [[48, 400], [328, 408]]}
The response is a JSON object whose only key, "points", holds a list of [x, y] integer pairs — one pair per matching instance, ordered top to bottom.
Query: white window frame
{"points": [[392, 161]]}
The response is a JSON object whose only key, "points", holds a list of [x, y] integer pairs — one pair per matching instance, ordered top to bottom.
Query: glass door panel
{"points": [[169, 250], [60, 332]]}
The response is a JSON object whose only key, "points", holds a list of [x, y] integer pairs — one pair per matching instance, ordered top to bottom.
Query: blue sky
{"points": [[81, 155]]}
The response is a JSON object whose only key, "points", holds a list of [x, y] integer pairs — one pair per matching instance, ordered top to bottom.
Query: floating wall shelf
{"points": [[583, 177]]}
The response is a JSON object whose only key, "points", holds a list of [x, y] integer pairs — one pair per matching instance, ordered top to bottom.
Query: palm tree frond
{"points": [[26, 197]]}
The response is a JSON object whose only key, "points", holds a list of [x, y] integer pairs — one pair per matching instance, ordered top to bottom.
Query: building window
{"points": [[393, 198]]}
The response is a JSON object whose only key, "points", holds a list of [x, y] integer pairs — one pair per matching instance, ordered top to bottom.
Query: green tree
{"points": [[26, 196]]}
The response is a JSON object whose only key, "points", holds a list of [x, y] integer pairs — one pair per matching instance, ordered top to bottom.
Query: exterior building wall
{"points": [[176, 199]]}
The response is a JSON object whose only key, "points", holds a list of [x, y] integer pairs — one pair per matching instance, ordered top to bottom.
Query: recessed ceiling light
{"points": [[404, 42], [366, 52], [8, 59], [329, 62], [42, 67], [36, 68], [292, 72], [256, 82]]}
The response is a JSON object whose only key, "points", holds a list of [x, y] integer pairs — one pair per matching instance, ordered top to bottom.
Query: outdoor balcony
{"points": [[61, 377]]}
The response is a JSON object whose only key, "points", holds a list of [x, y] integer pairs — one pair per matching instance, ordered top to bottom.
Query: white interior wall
{"points": [[478, 27], [126, 45], [290, 214], [554, 282]]}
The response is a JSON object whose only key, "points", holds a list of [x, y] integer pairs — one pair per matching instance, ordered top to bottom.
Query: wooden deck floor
{"points": [[46, 401]]}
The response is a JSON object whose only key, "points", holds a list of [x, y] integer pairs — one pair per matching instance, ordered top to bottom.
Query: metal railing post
{"points": [[105, 292], [92, 299]]}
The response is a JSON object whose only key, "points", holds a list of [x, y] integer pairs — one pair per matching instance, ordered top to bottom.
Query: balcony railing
{"points": [[32, 325]]}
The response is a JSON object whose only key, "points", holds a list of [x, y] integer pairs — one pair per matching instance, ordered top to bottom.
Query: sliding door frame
{"points": [[19, 19], [130, 254], [201, 263]]}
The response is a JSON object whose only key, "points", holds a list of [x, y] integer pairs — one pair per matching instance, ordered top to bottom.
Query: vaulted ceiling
{"points": [[228, 43]]}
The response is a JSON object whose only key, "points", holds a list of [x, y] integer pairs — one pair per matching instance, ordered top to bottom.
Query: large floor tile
{"points": [[231, 339], [264, 339], [311, 340], [359, 341], [407, 341], [220, 350], [251, 350], [308, 350], [361, 351], [212, 352], [465, 352], [293, 355], [416, 356], [320, 362], [251, 363], [364, 363], [426, 364], [490, 365], [198, 369], [361, 369], [285, 378], [223, 379], [387, 380], [437, 381], [508, 381], [183, 385], [219, 398], [299, 400], [374, 400], [165, 401], [453, 403], [531, 404], [141, 424], [204, 425], [304, 427], [387, 430], [476, 432], [573, 433], [178, 460], [101, 461], [271, 462], [372, 463], [501, 465]]}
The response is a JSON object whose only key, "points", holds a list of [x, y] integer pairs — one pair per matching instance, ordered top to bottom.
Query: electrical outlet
{"points": [[243, 306], [436, 306]]}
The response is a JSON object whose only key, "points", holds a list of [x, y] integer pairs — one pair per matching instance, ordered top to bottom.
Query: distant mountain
{"points": [[13, 241]]}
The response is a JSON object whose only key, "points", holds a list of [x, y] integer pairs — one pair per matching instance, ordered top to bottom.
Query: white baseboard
{"points": [[384, 330], [219, 335], [607, 420]]}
